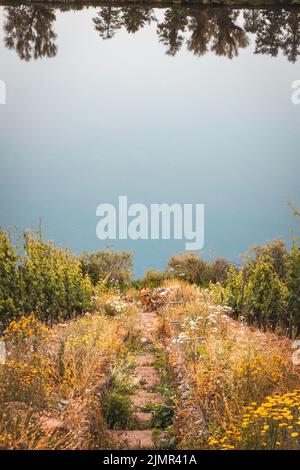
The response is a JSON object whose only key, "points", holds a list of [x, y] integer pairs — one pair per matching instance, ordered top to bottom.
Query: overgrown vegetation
{"points": [[115, 267], [189, 267], [42, 279], [54, 283], [263, 289], [225, 373], [51, 382], [240, 386], [117, 407], [117, 411], [163, 413]]}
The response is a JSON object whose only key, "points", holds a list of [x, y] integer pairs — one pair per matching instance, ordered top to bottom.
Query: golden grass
{"points": [[227, 366], [51, 384]]}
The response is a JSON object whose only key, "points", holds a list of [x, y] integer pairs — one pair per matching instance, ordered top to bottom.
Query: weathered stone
{"points": [[144, 398], [143, 417], [134, 439]]}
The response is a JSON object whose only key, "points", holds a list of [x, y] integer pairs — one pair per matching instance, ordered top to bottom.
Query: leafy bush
{"points": [[275, 251], [113, 266], [190, 267], [193, 269], [9, 278], [153, 279], [45, 280], [52, 281], [293, 283], [266, 295], [225, 366], [117, 410], [163, 415]]}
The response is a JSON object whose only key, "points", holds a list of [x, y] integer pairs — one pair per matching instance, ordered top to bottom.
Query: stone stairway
{"points": [[146, 378]]}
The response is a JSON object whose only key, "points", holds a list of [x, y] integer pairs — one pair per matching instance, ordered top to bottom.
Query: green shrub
{"points": [[115, 267], [9, 279], [45, 280], [53, 284], [117, 410], [163, 415]]}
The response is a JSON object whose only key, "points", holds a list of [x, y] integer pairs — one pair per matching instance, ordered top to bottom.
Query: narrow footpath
{"points": [[145, 396]]}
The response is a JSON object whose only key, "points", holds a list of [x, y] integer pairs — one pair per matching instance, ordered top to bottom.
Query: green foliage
{"points": [[275, 251], [115, 267], [190, 267], [193, 269], [218, 270], [9, 278], [151, 279], [45, 280], [52, 281], [293, 281], [101, 287], [266, 289], [234, 290], [220, 293], [259, 294], [266, 294], [117, 410], [163, 415], [166, 442]]}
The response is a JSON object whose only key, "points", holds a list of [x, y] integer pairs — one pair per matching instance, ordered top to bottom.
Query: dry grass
{"points": [[185, 292], [227, 366], [53, 378]]}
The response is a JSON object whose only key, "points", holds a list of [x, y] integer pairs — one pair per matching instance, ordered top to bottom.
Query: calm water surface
{"points": [[163, 105]]}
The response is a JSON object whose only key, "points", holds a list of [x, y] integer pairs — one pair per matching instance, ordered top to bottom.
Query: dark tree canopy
{"points": [[223, 30], [29, 31]]}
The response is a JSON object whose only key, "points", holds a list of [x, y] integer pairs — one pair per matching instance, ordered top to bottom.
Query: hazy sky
{"points": [[119, 116]]}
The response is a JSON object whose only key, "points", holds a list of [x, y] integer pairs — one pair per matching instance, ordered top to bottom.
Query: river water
{"points": [[163, 105]]}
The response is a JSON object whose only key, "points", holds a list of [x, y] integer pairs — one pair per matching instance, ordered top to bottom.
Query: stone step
{"points": [[145, 359], [147, 376], [143, 398], [143, 418], [133, 439]]}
